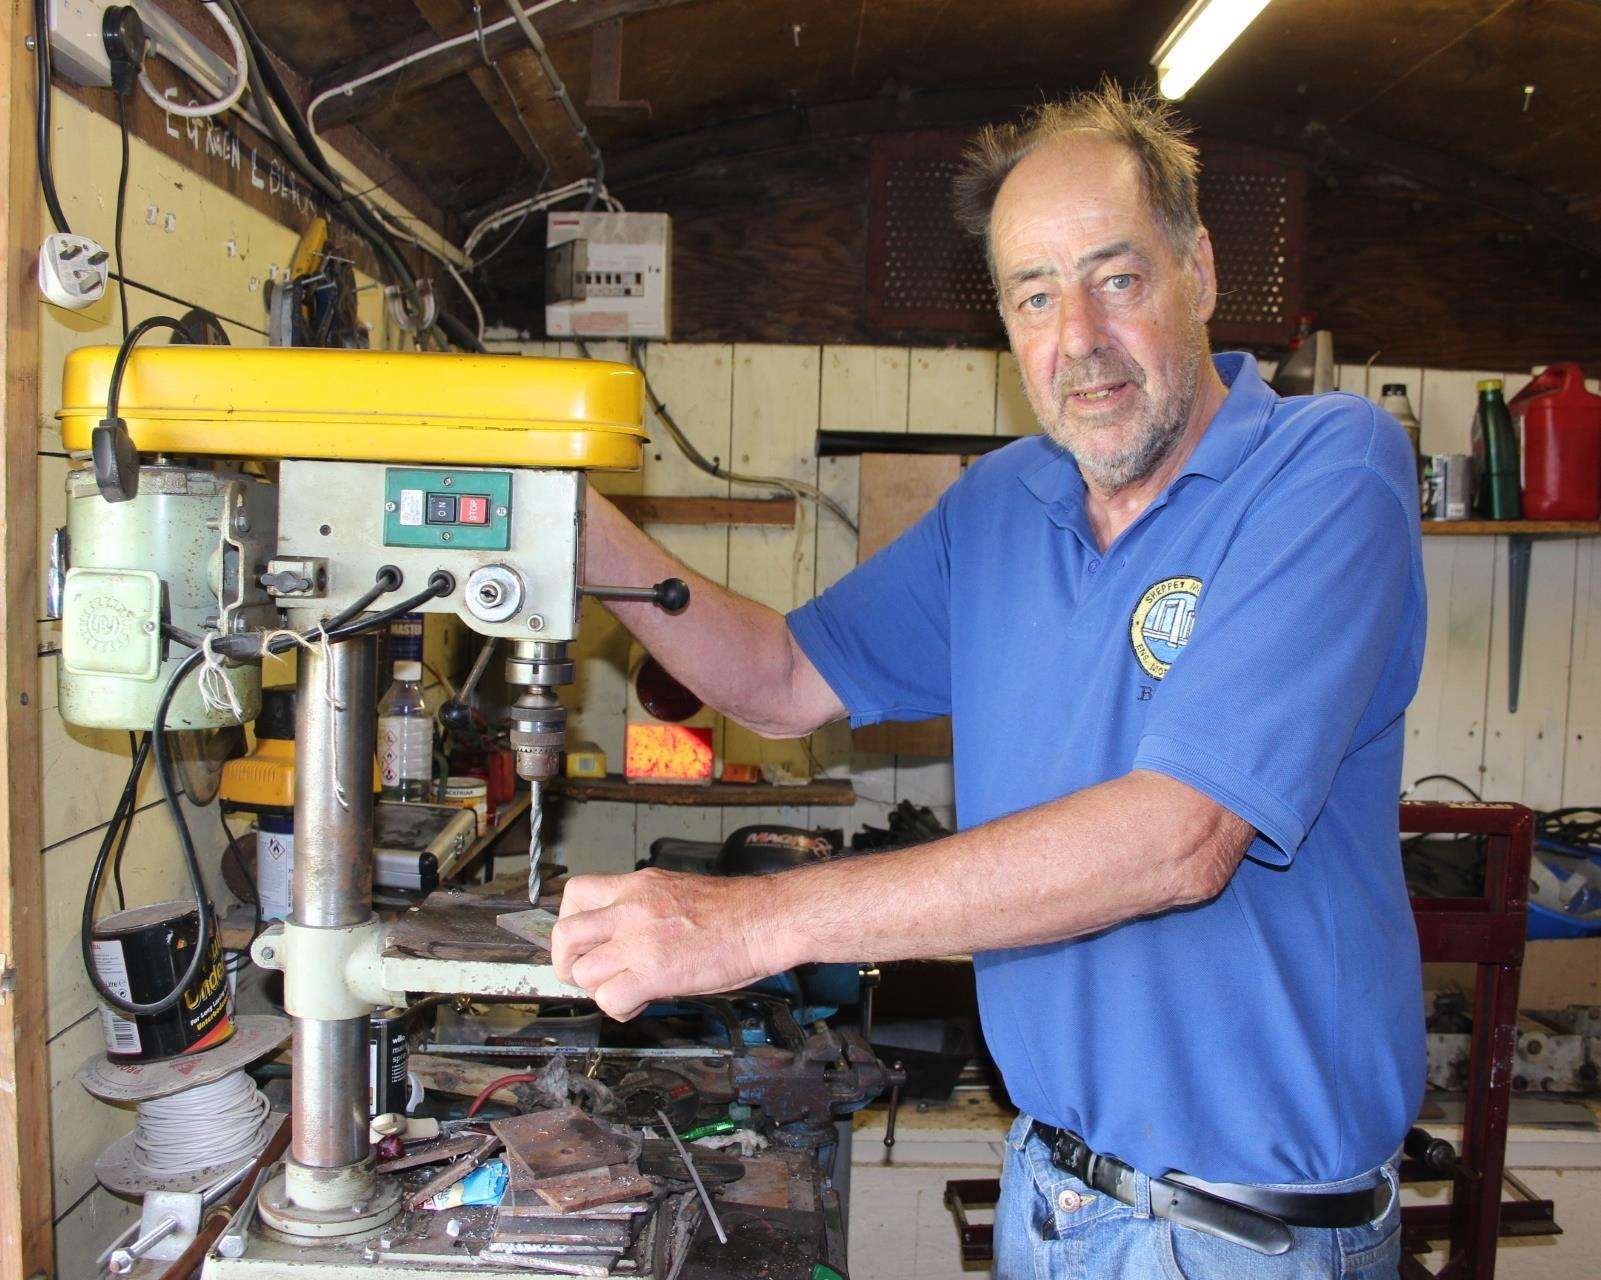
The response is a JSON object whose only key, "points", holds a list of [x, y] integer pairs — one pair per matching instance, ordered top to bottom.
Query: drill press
{"points": [[456, 482]]}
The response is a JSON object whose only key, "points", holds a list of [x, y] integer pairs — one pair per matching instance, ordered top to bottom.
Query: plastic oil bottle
{"points": [[1397, 404], [1497, 482]]}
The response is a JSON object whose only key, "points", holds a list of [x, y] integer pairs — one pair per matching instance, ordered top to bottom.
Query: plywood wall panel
{"points": [[952, 390], [777, 400], [1448, 401], [1014, 416], [1445, 723], [1524, 750], [1581, 765], [83, 1125], [83, 1230]]}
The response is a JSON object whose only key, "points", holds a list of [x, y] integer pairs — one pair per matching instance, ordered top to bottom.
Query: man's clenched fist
{"points": [[652, 935]]}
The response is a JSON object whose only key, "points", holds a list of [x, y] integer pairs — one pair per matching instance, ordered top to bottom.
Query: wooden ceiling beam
{"points": [[553, 25], [524, 87]]}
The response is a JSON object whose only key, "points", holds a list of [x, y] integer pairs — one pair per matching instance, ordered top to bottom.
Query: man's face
{"points": [[1107, 322]]}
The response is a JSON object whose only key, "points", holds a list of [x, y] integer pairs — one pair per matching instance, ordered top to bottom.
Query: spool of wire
{"points": [[196, 1118], [220, 1123]]}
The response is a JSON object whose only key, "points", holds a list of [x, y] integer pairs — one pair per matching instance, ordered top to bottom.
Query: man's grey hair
{"points": [[1147, 126]]}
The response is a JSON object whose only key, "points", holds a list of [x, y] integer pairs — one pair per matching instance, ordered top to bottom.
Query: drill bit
{"points": [[536, 850]]}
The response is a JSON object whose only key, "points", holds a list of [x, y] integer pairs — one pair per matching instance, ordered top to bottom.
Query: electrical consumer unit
{"points": [[608, 275]]}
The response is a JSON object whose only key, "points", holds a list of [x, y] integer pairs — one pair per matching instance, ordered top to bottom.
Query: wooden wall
{"points": [[212, 248], [772, 248], [760, 405]]}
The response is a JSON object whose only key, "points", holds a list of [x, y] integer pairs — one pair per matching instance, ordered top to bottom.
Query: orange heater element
{"points": [[667, 753]]}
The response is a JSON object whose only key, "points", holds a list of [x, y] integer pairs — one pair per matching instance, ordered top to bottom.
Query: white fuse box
{"points": [[608, 275]]}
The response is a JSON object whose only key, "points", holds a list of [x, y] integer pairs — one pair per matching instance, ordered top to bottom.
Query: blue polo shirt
{"points": [[1256, 634]]}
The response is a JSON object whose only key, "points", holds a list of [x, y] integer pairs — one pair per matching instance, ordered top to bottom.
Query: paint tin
{"points": [[1447, 486], [467, 792], [140, 954], [388, 1060]]}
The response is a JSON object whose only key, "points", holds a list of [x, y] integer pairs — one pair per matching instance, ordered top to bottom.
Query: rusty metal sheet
{"points": [[451, 925], [563, 1140], [432, 1152], [454, 1173], [775, 1180], [590, 1190], [519, 1201]]}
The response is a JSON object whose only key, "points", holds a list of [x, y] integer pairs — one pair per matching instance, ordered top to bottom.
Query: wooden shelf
{"points": [[646, 508], [1543, 528], [828, 792]]}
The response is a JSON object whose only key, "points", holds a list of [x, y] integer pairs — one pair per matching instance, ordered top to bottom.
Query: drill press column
{"points": [[332, 888], [328, 1187]]}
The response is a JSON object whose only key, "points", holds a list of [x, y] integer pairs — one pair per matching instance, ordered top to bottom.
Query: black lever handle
{"points": [[670, 595]]}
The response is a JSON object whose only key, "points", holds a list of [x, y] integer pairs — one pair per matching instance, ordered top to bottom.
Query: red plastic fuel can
{"points": [[1561, 445]]}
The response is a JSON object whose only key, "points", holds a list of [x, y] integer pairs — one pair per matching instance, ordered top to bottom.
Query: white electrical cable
{"points": [[414, 57], [234, 93], [533, 204], [220, 1123]]}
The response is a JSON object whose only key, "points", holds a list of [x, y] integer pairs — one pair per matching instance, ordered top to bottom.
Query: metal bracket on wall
{"points": [[1520, 553]]}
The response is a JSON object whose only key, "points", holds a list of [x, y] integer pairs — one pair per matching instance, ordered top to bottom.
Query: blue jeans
{"points": [[1050, 1226]]}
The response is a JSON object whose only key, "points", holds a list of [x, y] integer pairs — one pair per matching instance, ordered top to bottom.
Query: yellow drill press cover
{"points": [[363, 406]]}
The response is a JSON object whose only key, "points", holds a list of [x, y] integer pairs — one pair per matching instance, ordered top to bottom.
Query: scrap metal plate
{"points": [[546, 1144]]}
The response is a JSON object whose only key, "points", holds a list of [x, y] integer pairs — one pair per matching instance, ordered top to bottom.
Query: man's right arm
{"points": [[734, 654]]}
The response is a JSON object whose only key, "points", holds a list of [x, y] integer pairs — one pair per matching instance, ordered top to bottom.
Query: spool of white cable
{"points": [[212, 1124]]}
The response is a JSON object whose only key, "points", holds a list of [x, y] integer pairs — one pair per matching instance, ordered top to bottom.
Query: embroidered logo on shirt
{"points": [[1162, 622]]}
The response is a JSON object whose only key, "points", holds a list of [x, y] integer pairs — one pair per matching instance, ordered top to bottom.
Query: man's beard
{"points": [[1155, 429]]}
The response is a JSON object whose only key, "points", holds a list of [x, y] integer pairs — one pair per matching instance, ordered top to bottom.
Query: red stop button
{"points": [[473, 508]]}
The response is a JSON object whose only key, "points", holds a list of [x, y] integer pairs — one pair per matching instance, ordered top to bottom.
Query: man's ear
{"points": [[1204, 273]]}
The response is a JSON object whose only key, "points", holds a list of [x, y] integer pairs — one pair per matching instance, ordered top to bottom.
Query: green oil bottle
{"points": [[1496, 475]]}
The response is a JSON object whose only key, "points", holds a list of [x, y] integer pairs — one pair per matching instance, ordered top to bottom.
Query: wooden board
{"points": [[952, 390], [775, 414], [897, 490], [644, 508], [1532, 528], [1445, 723], [1523, 750], [1581, 766], [830, 792], [26, 1236]]}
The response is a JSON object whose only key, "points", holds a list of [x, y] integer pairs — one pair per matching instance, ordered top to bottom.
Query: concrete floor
{"points": [[901, 1229]]}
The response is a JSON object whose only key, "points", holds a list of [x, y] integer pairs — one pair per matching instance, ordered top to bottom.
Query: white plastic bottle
{"points": [[405, 738]]}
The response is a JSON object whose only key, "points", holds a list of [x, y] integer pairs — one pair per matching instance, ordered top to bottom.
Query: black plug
{"points": [[123, 31], [116, 461]]}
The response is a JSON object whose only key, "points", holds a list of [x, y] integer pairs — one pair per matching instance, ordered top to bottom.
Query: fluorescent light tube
{"points": [[1198, 39]]}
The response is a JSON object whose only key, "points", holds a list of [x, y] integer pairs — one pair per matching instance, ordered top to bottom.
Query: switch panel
{"points": [[465, 509]]}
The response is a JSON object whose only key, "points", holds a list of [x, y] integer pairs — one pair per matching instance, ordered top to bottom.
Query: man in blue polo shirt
{"points": [[1175, 635]]}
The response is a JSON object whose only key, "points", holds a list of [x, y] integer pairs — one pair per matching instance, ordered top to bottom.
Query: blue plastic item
{"points": [[1564, 896]]}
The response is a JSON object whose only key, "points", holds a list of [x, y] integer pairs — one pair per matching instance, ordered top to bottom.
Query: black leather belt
{"points": [[1254, 1217]]}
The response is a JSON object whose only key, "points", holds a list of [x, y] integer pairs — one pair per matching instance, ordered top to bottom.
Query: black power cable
{"points": [[42, 139], [303, 152], [122, 202], [439, 584], [127, 827]]}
